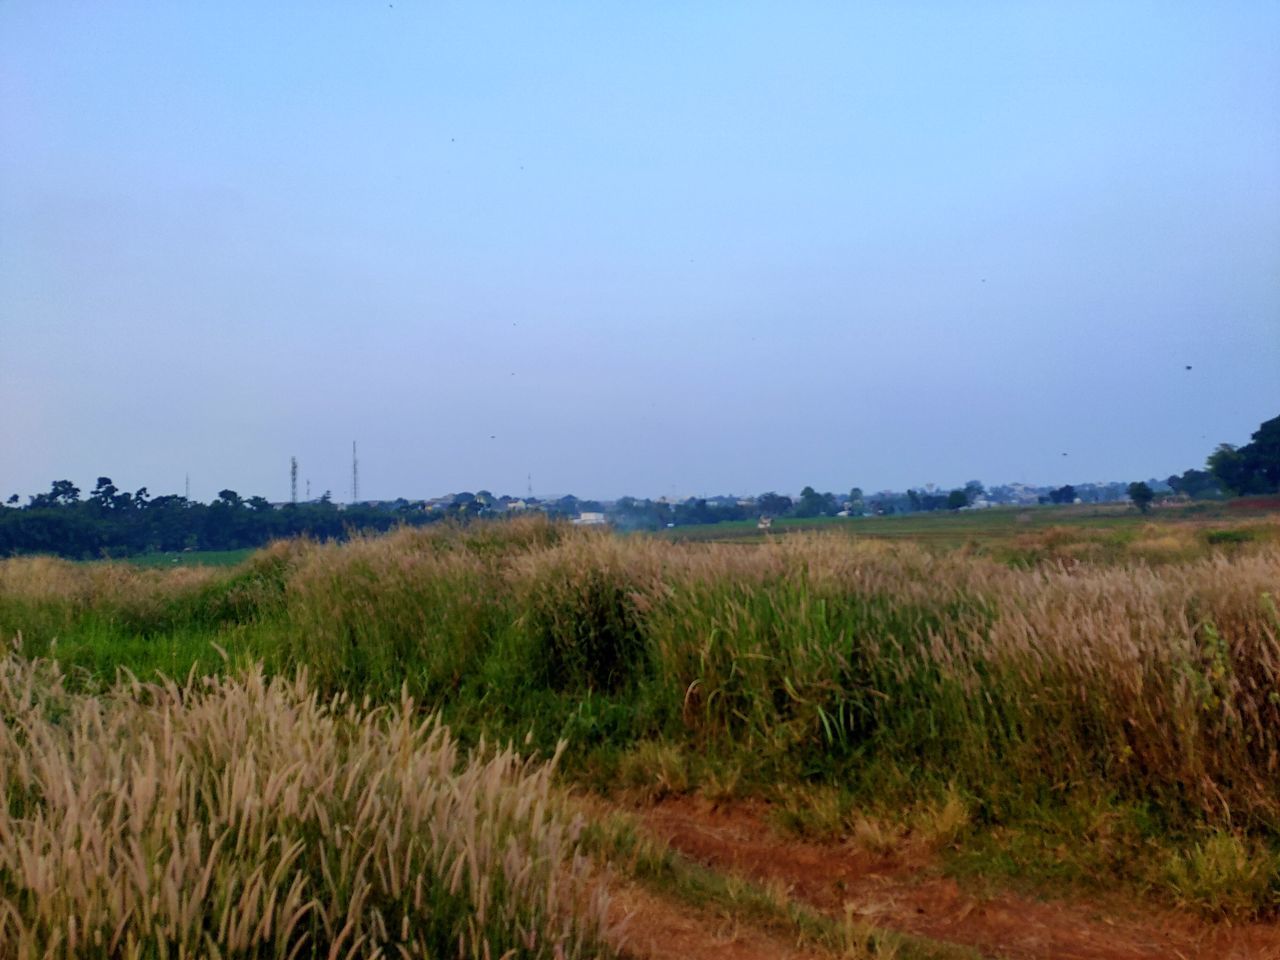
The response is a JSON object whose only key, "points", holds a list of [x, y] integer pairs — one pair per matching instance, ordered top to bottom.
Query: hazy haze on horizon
{"points": [[633, 249]]}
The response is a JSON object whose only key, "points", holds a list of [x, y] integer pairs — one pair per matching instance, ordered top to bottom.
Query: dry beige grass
{"points": [[50, 580], [243, 817]]}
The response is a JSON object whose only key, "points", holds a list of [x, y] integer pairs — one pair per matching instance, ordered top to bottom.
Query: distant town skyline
{"points": [[633, 250], [308, 495]]}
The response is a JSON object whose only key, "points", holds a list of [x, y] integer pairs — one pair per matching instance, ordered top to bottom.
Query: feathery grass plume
{"points": [[377, 612], [244, 818]]}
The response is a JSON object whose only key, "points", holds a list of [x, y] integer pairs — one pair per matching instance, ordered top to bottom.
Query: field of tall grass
{"points": [[1123, 693], [246, 817]]}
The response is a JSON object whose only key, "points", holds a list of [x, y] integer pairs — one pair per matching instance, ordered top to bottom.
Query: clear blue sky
{"points": [[633, 248]]}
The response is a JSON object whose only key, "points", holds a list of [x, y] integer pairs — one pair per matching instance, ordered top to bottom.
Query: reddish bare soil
{"points": [[1254, 504], [897, 891], [657, 929]]}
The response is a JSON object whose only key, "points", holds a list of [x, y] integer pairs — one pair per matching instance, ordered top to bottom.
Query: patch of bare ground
{"points": [[898, 891], [655, 928]]}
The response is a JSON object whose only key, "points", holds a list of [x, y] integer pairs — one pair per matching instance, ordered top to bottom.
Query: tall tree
{"points": [[1253, 468], [1197, 484], [103, 494], [1064, 494], [1141, 495], [857, 502], [810, 503], [773, 504]]}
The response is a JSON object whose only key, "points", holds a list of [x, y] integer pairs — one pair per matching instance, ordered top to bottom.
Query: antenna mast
{"points": [[355, 475], [293, 480], [187, 494]]}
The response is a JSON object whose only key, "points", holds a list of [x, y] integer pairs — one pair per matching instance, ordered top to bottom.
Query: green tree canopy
{"points": [[1253, 468], [1064, 494], [1141, 495], [773, 504]]}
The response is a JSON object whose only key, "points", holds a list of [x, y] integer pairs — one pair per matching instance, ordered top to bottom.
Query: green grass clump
{"points": [[1229, 538], [580, 616], [1225, 875]]}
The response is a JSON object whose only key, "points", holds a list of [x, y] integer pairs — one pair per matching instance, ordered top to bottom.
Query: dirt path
{"points": [[896, 893], [654, 928]]}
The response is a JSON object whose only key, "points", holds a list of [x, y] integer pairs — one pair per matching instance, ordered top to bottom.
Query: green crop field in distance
{"points": [[193, 558]]}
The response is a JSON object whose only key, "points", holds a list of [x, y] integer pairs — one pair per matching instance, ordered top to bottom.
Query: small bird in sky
{"points": [[1188, 366]]}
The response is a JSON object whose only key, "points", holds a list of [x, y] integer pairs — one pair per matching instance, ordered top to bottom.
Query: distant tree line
{"points": [[1251, 470], [631, 513], [110, 522], [113, 523]]}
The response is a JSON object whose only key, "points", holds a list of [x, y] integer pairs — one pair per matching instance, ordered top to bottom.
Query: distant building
{"points": [[590, 519]]}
